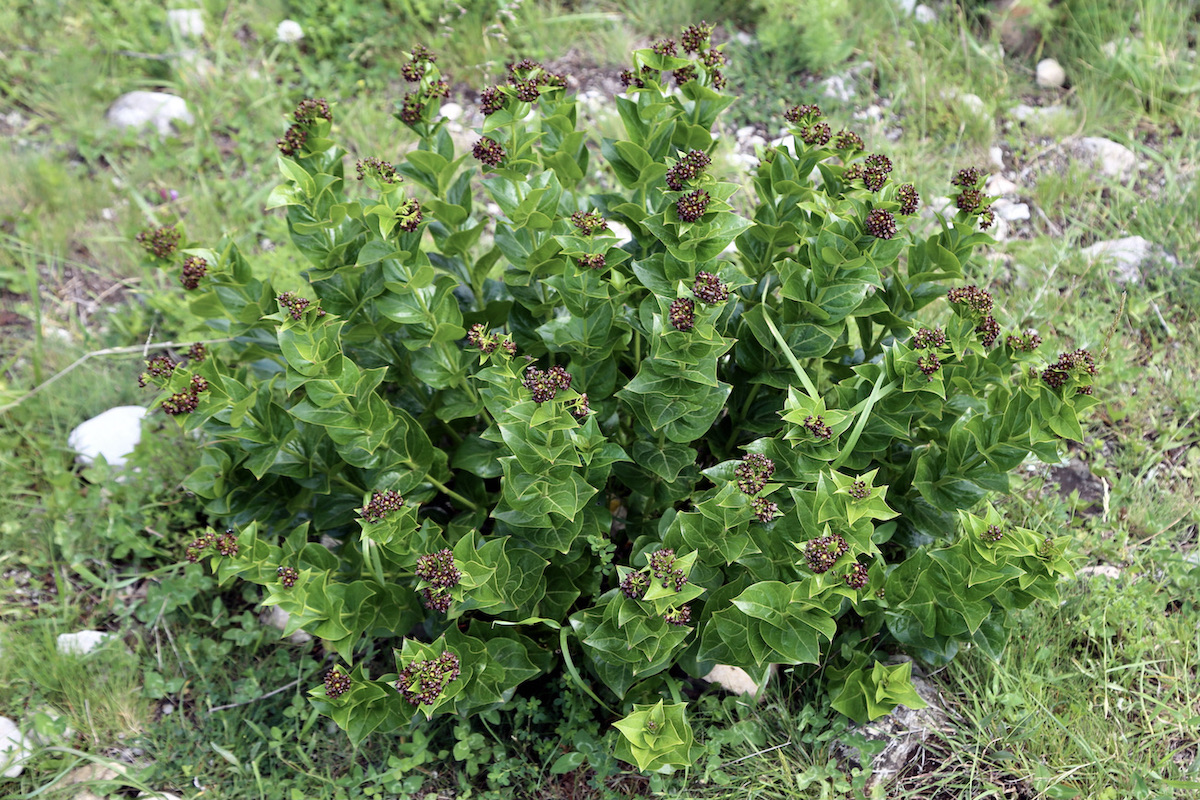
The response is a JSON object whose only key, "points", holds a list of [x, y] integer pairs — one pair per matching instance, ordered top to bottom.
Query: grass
{"points": [[1094, 698]]}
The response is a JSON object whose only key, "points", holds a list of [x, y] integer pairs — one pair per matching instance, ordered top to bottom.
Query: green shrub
{"points": [[503, 445]]}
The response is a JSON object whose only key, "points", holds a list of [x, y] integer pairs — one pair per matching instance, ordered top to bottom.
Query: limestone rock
{"points": [[924, 14], [187, 23], [1050, 74], [139, 109], [452, 111], [996, 156], [1114, 159], [999, 186], [1010, 211], [1130, 257], [112, 434], [1103, 570], [277, 618], [83, 642], [737, 681], [14, 749]]}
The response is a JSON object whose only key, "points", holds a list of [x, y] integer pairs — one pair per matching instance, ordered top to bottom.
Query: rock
{"points": [[906, 6], [924, 14], [186, 23], [289, 32], [1110, 49], [1050, 74], [838, 87], [973, 105], [138, 109], [452, 111], [1045, 116], [996, 156], [1114, 159], [998, 186], [1010, 211], [1130, 256], [112, 434], [1074, 476], [1103, 570], [276, 617], [82, 643], [737, 681], [14, 748], [96, 772], [157, 796]]}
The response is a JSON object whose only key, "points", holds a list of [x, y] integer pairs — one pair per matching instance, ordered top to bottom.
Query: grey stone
{"points": [[924, 14], [187, 23], [1050, 74], [839, 87], [973, 104], [139, 109], [452, 111], [1047, 115], [996, 156], [1114, 159], [998, 186], [1010, 211], [1130, 257], [112, 434], [1103, 570], [277, 618], [81, 643], [736, 680], [14, 748]]}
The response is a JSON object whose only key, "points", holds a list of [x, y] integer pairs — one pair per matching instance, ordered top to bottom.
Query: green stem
{"points": [[809, 388], [878, 392], [338, 479], [444, 489]]}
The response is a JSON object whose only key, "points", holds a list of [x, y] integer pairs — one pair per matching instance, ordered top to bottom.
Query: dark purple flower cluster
{"points": [[696, 37], [665, 47], [713, 58], [414, 70], [629, 78], [527, 79], [491, 100], [411, 108], [310, 110], [802, 114], [816, 135], [848, 140], [293, 141], [488, 151], [688, 168], [381, 169], [875, 170], [968, 178], [910, 201], [691, 207], [409, 215], [589, 222], [880, 224], [161, 242], [591, 261], [194, 270], [709, 289], [974, 298], [295, 305], [683, 314], [988, 330], [478, 336], [926, 338], [1027, 341], [197, 352], [1077, 361], [929, 364], [159, 366], [544, 385], [186, 402], [580, 408], [817, 427], [753, 473], [859, 490], [381, 505], [764, 509], [992, 535], [227, 544], [197, 547], [822, 552], [662, 566], [439, 570], [287, 576], [857, 577], [635, 585], [679, 616], [424, 681], [337, 683]]}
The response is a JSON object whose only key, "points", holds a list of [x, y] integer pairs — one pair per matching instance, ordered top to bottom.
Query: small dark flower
{"points": [[695, 37], [665, 47], [714, 58], [413, 71], [684, 74], [628, 79], [718, 79], [437, 89], [527, 91], [492, 100], [411, 108], [310, 110], [801, 113], [818, 134], [848, 140], [293, 141], [488, 151], [877, 162], [379, 168], [688, 168], [852, 172], [968, 178], [874, 179], [909, 199], [969, 200], [691, 207], [409, 215], [987, 218], [589, 222], [880, 224], [162, 242], [592, 261], [194, 269], [709, 289], [974, 298], [293, 304], [683, 314], [989, 329], [478, 337], [926, 338], [1026, 341], [509, 346], [197, 353], [1076, 362], [929, 364], [159, 366], [198, 385], [545, 385], [180, 403], [580, 408], [817, 427], [753, 473], [859, 490], [381, 505], [764, 509], [993, 534], [227, 544], [198, 546], [1047, 550], [822, 552], [662, 565], [439, 569], [287, 576], [857, 577], [635, 585], [436, 600], [679, 616], [424, 681], [337, 683]]}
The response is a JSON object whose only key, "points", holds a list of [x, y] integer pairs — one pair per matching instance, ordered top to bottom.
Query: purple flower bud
{"points": [[488, 151], [691, 207], [880, 224], [194, 269], [709, 289], [683, 314], [817, 427], [753, 473], [381, 505], [821, 553], [287, 576], [857, 577], [423, 682], [337, 683]]}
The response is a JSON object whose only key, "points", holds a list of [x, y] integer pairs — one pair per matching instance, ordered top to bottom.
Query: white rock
{"points": [[906, 6], [924, 14], [187, 23], [289, 31], [743, 38], [1111, 49], [1050, 74], [838, 87], [974, 105], [138, 109], [452, 111], [1047, 115], [744, 132], [996, 156], [1114, 159], [742, 161], [998, 186], [1011, 212], [999, 230], [622, 232], [1129, 257], [112, 434], [1103, 570], [277, 618], [81, 643], [737, 681], [903, 731], [13, 748], [157, 796]]}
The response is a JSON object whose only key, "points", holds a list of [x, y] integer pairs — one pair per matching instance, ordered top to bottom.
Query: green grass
{"points": [[1094, 698]]}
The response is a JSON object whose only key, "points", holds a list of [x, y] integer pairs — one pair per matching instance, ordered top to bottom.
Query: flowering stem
{"points": [[809, 388], [878, 392], [444, 489]]}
